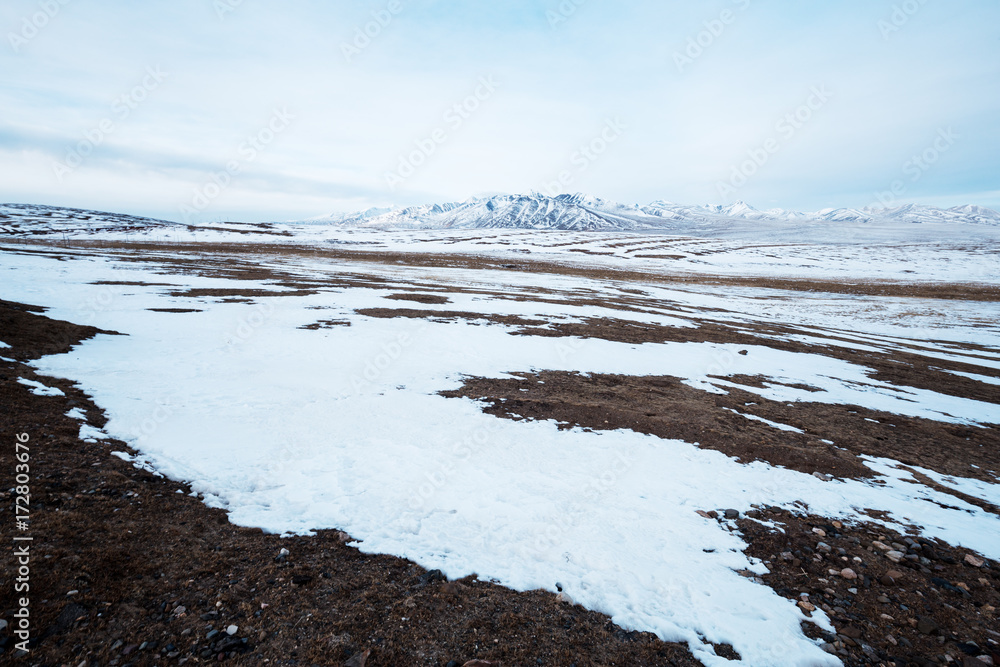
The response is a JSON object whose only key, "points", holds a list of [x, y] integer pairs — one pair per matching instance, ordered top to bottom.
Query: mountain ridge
{"points": [[582, 212]]}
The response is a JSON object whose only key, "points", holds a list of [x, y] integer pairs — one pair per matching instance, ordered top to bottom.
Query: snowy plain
{"points": [[296, 430]]}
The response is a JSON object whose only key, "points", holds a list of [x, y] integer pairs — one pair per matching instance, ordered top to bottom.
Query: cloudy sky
{"points": [[258, 110]]}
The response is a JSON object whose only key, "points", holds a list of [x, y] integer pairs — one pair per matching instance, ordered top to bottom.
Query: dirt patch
{"points": [[201, 293], [420, 298], [174, 310], [449, 316], [326, 324], [832, 440], [158, 576], [931, 604]]}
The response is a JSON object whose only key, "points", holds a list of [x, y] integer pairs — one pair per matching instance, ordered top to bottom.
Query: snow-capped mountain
{"points": [[579, 212]]}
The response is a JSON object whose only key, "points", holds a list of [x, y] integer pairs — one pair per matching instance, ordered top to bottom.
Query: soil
{"points": [[834, 437]]}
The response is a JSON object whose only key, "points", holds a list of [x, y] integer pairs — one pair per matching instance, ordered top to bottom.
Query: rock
{"points": [[703, 514], [732, 514], [820, 532], [823, 547], [284, 552], [895, 556], [973, 561], [849, 574], [433, 575], [891, 578], [301, 579], [564, 598], [806, 606], [3, 625], [926, 626], [232, 630], [851, 631], [212, 634], [358, 659], [981, 661], [481, 663]]}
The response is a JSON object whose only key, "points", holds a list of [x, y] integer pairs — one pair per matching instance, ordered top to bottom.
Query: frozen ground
{"points": [[342, 426]]}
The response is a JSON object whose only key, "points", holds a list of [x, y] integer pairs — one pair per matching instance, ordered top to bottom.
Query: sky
{"points": [[212, 110]]}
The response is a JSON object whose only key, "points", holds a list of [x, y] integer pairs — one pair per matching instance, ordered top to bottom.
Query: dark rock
{"points": [[732, 514], [432, 576], [301, 579], [927, 626]]}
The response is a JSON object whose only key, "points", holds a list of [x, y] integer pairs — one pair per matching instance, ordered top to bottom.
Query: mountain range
{"points": [[581, 212]]}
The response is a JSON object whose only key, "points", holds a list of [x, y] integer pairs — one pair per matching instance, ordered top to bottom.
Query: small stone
{"points": [[703, 514], [732, 514], [838, 525], [820, 532], [823, 547], [284, 552], [895, 556], [973, 561], [849, 574], [891, 578], [301, 579], [72, 593], [564, 598], [883, 599], [806, 606], [926, 626], [232, 630], [851, 631], [185, 632], [212, 635], [358, 659]]}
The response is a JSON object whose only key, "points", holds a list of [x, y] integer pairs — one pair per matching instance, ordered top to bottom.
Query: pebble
{"points": [[732, 514], [820, 532], [823, 547], [284, 552], [895, 556], [973, 561], [848, 573], [891, 578], [806, 606], [926, 626], [232, 630], [212, 635]]}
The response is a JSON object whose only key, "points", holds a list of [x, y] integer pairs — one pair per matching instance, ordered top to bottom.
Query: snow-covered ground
{"points": [[295, 430]]}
